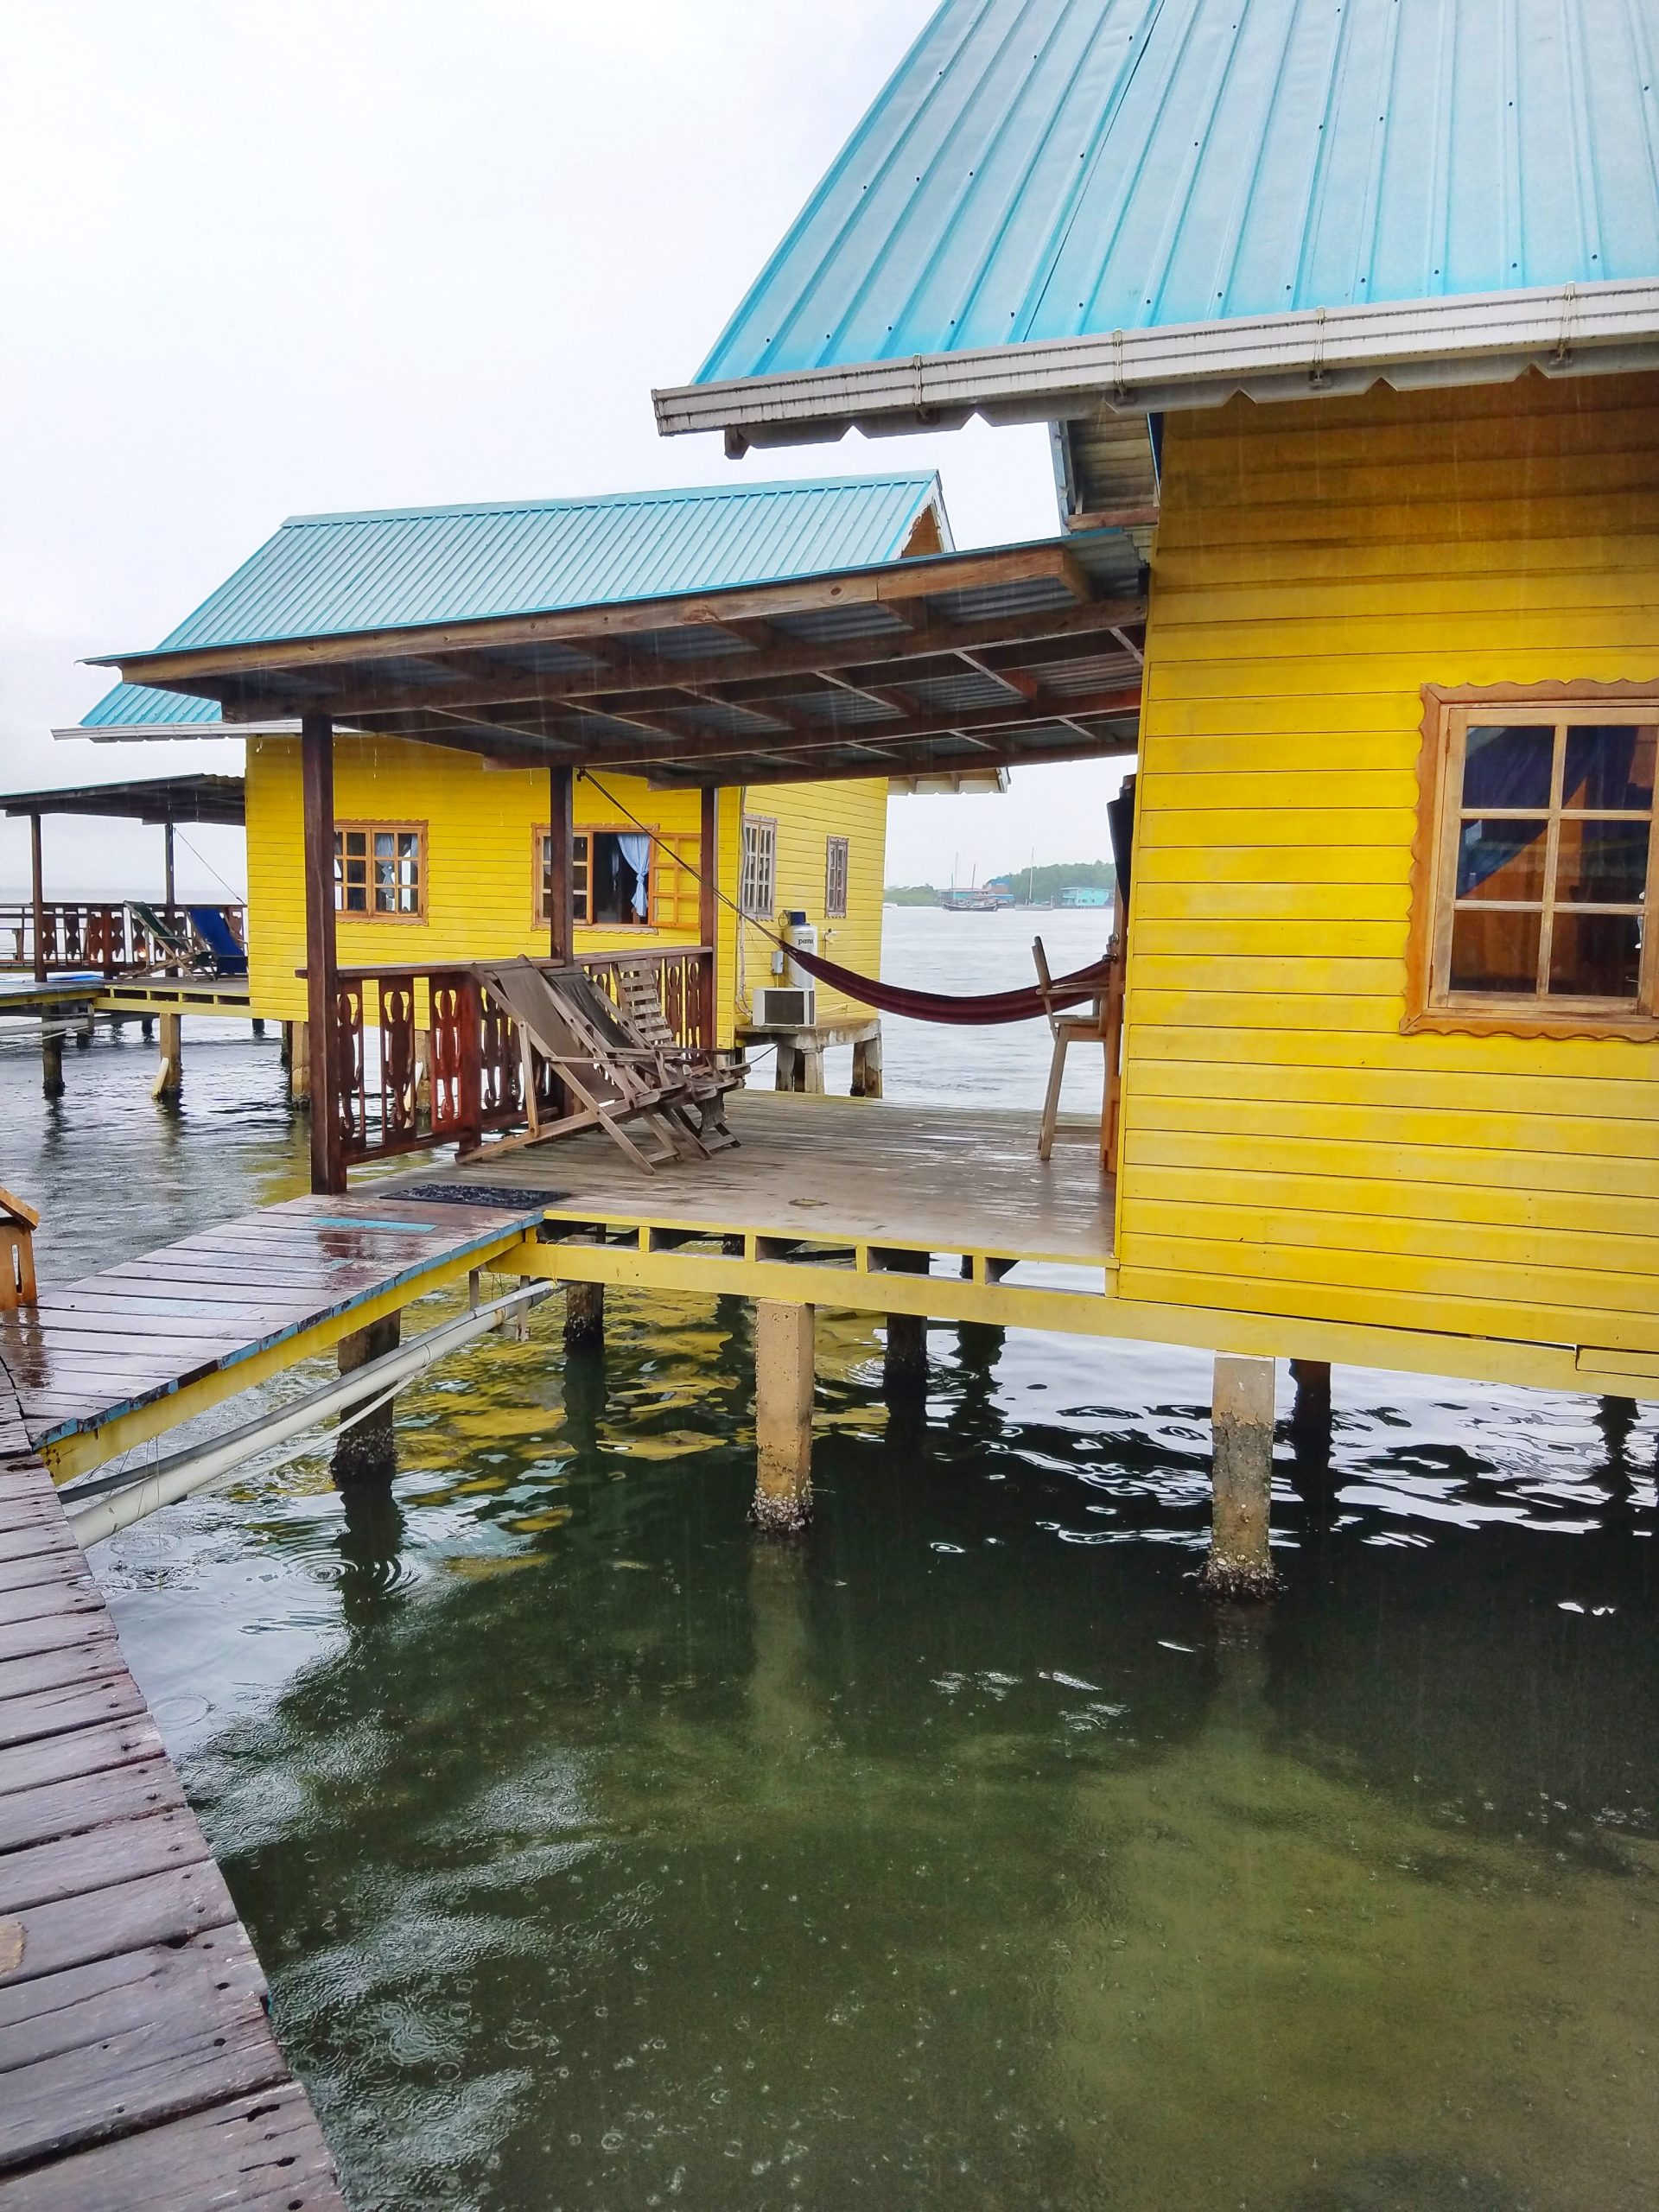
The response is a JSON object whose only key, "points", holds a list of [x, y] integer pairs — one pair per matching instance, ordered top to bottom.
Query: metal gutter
{"points": [[1486, 338]]}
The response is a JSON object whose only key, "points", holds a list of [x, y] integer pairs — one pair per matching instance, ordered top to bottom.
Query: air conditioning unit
{"points": [[786, 1005]]}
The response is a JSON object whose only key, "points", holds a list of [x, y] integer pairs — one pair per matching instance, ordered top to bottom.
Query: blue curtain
{"points": [[636, 851]]}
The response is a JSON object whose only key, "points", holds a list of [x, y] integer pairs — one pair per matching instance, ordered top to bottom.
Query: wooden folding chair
{"points": [[640, 1007], [563, 1018], [1101, 1022]]}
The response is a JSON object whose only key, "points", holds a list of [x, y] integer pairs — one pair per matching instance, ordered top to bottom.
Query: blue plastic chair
{"points": [[216, 933]]}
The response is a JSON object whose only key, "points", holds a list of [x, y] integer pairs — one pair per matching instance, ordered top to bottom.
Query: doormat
{"points": [[515, 1197]]}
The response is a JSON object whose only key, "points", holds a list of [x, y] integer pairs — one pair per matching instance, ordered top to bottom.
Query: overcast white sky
{"points": [[263, 258]]}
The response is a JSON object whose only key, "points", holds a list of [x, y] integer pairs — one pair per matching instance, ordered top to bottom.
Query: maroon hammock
{"points": [[1029, 1004]]}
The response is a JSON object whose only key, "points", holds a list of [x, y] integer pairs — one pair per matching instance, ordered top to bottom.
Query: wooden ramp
{"points": [[122, 1356], [138, 2067]]}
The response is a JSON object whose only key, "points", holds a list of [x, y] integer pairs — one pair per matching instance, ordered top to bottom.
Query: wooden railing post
{"points": [[317, 783], [37, 868]]}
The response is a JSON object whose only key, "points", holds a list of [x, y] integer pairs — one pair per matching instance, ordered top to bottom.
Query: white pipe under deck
{"points": [[188, 1471]]}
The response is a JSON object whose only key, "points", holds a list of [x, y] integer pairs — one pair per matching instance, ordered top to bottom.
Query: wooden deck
{"points": [[934, 1178], [108, 1362], [138, 2067]]}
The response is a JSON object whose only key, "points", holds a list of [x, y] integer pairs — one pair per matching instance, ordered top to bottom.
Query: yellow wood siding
{"points": [[808, 815], [479, 824], [1286, 1151]]}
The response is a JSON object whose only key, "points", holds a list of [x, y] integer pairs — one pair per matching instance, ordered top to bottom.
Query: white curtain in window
{"points": [[636, 850]]}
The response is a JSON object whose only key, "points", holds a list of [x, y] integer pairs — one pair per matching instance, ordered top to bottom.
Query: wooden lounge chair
{"points": [[640, 1007], [567, 1022], [1099, 1023]]}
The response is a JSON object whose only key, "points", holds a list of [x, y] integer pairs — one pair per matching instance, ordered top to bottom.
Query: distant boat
{"points": [[985, 899]]}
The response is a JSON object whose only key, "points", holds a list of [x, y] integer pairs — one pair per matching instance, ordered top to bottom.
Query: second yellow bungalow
{"points": [[442, 856]]}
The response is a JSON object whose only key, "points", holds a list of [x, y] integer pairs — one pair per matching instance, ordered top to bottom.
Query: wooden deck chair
{"points": [[175, 947], [640, 1006], [563, 1018], [1101, 1022], [18, 1222]]}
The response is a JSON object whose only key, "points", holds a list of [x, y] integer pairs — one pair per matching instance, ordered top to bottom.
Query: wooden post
{"points": [[317, 782], [37, 880], [561, 888], [170, 895], [707, 1033], [51, 1061], [299, 1063], [786, 1065], [867, 1065], [169, 1076], [584, 1316], [904, 1371], [783, 1417], [1310, 1419], [367, 1451], [1240, 1564]]}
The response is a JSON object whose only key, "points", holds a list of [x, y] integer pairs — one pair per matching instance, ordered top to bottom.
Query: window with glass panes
{"points": [[380, 870], [835, 878], [758, 885], [602, 888], [1542, 888]]}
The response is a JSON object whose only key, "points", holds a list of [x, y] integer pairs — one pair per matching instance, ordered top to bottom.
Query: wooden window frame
{"points": [[372, 830], [665, 844], [835, 908], [754, 913], [1431, 1005]]}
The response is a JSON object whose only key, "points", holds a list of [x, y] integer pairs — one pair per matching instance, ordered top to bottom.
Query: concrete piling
{"points": [[783, 1417], [1239, 1565]]}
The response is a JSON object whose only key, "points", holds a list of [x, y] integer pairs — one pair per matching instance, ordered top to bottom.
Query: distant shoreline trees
{"points": [[1032, 887]]}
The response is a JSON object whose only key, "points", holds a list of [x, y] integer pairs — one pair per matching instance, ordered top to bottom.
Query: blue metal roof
{"points": [[1047, 170], [327, 575]]}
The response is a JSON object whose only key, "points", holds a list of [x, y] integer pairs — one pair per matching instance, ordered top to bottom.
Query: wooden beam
{"points": [[1114, 518], [897, 586], [645, 672], [935, 759], [317, 788], [168, 872], [562, 892], [708, 912]]}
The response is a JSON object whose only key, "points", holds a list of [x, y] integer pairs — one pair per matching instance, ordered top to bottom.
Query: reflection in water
{"points": [[959, 1856]]}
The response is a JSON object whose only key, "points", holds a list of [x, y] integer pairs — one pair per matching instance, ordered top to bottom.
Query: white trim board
{"points": [[1486, 338]]}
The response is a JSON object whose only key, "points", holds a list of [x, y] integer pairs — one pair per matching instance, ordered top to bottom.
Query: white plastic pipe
{"points": [[187, 1471]]}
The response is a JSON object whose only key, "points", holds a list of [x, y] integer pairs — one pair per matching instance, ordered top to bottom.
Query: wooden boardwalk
{"points": [[124, 1355], [138, 2067]]}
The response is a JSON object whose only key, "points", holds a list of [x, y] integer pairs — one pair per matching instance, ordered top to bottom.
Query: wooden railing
{"points": [[107, 938], [422, 1058]]}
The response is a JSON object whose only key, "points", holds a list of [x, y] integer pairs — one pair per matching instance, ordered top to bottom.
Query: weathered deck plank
{"points": [[879, 1170], [138, 2067]]}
